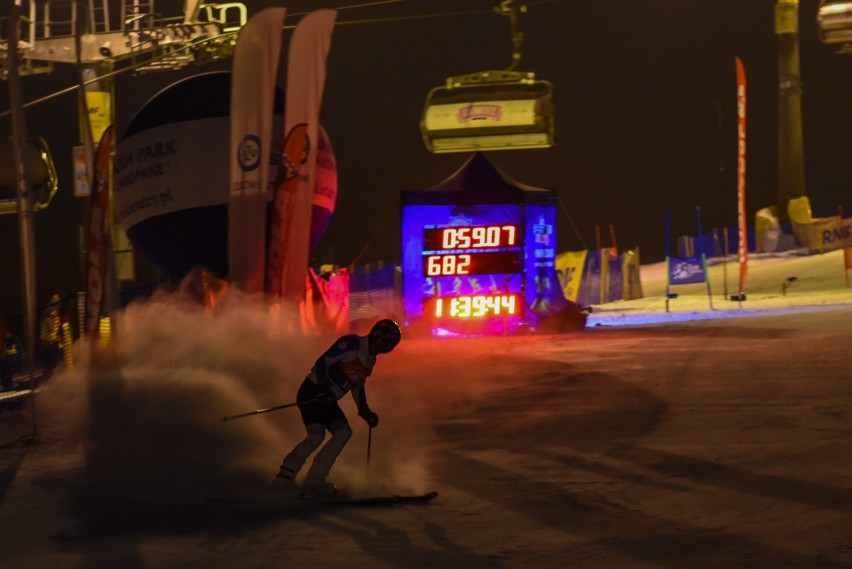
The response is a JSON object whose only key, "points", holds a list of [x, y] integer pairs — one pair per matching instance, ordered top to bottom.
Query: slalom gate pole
{"points": [[844, 237], [668, 255], [703, 256], [227, 418]]}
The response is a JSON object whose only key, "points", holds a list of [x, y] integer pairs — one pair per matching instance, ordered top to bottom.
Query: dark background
{"points": [[645, 106]]}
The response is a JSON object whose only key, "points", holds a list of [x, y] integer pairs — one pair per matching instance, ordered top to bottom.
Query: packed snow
{"points": [[693, 437]]}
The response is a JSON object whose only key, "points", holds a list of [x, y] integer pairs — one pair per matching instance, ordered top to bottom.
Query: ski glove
{"points": [[371, 418]]}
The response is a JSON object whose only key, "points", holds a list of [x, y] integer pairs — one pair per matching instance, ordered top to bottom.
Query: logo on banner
{"points": [[479, 112], [248, 153], [295, 154], [288, 168], [542, 231], [686, 271]]}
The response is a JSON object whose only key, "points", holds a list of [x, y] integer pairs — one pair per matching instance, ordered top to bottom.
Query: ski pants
{"points": [[318, 417]]}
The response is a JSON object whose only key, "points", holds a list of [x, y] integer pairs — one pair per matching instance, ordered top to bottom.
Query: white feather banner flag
{"points": [[252, 102]]}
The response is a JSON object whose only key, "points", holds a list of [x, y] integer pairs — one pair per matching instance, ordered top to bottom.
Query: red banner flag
{"points": [[292, 160], [741, 175], [99, 238], [287, 257]]}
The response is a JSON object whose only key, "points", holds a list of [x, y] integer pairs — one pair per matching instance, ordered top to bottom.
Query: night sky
{"points": [[645, 106]]}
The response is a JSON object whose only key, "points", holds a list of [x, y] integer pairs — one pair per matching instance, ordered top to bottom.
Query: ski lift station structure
{"points": [[109, 34], [479, 253]]}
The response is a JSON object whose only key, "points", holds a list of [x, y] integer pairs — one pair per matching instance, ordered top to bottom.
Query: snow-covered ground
{"points": [[776, 283], [693, 440]]}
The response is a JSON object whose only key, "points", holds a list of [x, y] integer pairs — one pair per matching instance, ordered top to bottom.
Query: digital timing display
{"points": [[471, 237], [472, 250], [463, 264], [472, 268], [473, 306]]}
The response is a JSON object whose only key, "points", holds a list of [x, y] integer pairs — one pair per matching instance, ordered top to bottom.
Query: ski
{"points": [[369, 500], [294, 501]]}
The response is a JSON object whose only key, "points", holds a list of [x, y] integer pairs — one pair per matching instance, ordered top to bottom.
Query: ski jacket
{"points": [[345, 367]]}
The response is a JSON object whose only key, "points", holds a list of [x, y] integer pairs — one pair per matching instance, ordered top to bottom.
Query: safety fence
{"points": [[600, 276], [375, 291]]}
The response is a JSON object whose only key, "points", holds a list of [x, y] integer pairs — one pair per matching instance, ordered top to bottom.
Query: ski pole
{"points": [[227, 418], [369, 444]]}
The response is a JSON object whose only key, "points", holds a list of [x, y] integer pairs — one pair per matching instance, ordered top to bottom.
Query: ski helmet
{"points": [[385, 335]]}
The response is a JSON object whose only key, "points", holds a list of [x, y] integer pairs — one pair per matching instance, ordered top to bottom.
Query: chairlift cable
{"points": [[364, 5], [434, 15], [410, 18], [571, 221], [376, 233]]}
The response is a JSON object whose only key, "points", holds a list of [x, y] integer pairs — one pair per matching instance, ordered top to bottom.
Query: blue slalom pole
{"points": [[703, 257]]}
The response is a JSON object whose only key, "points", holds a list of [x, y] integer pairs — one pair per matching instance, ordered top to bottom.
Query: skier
{"points": [[344, 367]]}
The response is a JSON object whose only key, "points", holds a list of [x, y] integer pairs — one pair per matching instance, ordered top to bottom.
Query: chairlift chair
{"points": [[834, 21], [489, 110]]}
